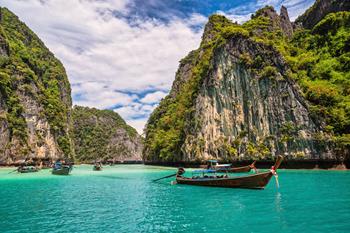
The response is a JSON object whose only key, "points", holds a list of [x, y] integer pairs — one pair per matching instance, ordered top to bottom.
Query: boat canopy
{"points": [[212, 161], [224, 165], [204, 171]]}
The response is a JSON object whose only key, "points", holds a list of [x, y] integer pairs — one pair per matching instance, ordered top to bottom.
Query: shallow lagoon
{"points": [[122, 198]]}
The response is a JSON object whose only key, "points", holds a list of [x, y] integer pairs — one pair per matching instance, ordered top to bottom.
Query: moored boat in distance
{"points": [[97, 166], [27, 169], [61, 169], [254, 181]]}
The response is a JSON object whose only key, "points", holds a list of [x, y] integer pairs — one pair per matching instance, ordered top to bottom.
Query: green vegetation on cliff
{"points": [[318, 60], [321, 64], [30, 68], [166, 126], [103, 134]]}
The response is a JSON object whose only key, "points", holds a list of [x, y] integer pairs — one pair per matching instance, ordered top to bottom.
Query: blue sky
{"points": [[123, 54]]}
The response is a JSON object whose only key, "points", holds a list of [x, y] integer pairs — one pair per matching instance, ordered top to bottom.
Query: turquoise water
{"points": [[122, 199]]}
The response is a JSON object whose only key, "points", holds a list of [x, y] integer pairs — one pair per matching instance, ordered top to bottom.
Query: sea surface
{"points": [[122, 198]]}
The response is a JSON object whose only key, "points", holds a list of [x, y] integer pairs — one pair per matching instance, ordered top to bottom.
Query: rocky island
{"points": [[266, 87]]}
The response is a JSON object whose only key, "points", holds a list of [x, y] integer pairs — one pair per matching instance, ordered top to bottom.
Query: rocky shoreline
{"points": [[265, 164], [310, 164]]}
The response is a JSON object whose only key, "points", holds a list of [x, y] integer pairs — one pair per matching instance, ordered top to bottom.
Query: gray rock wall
{"points": [[238, 108]]}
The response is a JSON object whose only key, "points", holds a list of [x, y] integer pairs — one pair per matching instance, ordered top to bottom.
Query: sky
{"points": [[123, 54]]}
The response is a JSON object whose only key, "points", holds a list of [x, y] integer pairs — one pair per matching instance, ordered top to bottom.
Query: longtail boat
{"points": [[27, 169], [60, 169], [254, 181]]}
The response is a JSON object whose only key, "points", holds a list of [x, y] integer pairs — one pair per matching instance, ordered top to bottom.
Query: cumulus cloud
{"points": [[100, 95], [154, 97], [136, 114]]}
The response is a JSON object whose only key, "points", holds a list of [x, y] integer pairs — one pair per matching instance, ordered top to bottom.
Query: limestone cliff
{"points": [[320, 9], [252, 91], [35, 101], [104, 135]]}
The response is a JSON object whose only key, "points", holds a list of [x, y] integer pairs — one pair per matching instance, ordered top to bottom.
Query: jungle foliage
{"points": [[94, 131]]}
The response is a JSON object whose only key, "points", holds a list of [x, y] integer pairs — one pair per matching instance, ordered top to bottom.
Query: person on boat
{"points": [[58, 164]]}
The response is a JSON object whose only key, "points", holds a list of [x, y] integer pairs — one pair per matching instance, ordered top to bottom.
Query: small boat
{"points": [[97, 167], [223, 168], [27, 169], [60, 169], [254, 181]]}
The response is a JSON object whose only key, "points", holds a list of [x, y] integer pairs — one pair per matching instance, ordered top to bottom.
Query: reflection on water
{"points": [[278, 199]]}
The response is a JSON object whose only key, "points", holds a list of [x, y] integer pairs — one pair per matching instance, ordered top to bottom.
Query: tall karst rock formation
{"points": [[257, 90], [35, 96]]}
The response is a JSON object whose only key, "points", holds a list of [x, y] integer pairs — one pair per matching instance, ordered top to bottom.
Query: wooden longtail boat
{"points": [[27, 169], [225, 169], [63, 170], [254, 181]]}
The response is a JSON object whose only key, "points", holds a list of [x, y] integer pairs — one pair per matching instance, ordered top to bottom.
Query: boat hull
{"points": [[97, 168], [27, 170], [62, 171], [255, 181]]}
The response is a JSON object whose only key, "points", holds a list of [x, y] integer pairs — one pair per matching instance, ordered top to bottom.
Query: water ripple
{"points": [[123, 199]]}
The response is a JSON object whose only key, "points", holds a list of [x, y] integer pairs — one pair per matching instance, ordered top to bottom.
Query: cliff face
{"points": [[320, 9], [253, 91], [35, 101], [260, 114], [104, 135]]}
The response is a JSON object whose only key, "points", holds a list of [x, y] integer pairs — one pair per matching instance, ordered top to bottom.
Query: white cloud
{"points": [[99, 95], [154, 97], [135, 110], [136, 114]]}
